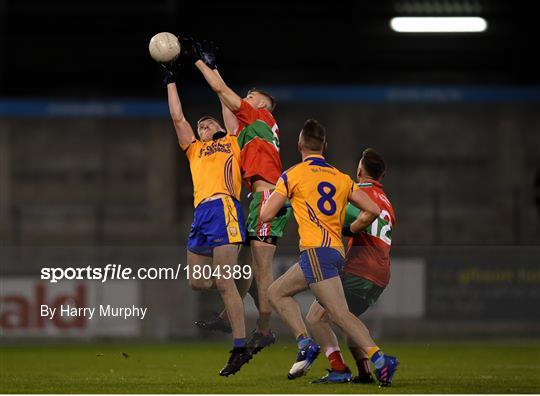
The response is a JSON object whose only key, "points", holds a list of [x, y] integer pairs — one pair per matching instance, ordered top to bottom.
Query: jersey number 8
{"points": [[326, 191]]}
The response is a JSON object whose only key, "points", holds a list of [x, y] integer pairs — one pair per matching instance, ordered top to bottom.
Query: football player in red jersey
{"points": [[252, 121], [319, 194], [367, 268]]}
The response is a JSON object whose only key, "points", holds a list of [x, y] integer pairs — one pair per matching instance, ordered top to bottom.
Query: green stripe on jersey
{"points": [[258, 129], [351, 213], [380, 228]]}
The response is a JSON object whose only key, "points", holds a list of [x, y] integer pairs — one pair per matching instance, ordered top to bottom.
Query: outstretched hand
{"points": [[193, 50], [190, 51], [209, 52], [167, 73]]}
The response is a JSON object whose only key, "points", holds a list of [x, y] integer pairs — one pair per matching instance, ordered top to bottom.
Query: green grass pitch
{"points": [[426, 367]]}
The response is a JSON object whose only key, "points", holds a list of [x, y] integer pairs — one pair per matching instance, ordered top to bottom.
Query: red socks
{"points": [[336, 360]]}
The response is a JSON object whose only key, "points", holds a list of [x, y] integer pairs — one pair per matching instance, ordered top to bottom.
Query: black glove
{"points": [[190, 51], [208, 51], [167, 73], [346, 231]]}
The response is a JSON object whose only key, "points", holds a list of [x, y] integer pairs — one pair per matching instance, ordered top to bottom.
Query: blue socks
{"points": [[303, 341], [239, 342], [378, 359]]}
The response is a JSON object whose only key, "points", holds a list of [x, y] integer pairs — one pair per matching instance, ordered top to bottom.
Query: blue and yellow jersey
{"points": [[215, 168], [319, 194]]}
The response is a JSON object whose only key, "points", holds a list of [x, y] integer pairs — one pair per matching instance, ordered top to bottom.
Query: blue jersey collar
{"points": [[313, 156]]}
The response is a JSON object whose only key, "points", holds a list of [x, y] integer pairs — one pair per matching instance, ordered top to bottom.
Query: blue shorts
{"points": [[216, 223], [321, 263]]}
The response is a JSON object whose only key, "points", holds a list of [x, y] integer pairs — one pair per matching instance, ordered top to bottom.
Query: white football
{"points": [[164, 47]]}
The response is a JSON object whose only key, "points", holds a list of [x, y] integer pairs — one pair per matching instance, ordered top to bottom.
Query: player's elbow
{"points": [[178, 118], [264, 218], [267, 218]]}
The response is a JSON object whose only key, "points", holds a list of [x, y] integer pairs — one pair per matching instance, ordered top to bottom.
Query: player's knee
{"points": [[200, 284], [224, 285], [273, 295], [340, 316], [312, 319]]}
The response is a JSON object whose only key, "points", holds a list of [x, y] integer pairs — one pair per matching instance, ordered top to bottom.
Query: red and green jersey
{"points": [[258, 138], [368, 253]]}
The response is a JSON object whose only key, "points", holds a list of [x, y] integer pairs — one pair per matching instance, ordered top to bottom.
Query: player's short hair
{"points": [[264, 93], [204, 118], [313, 135], [373, 163]]}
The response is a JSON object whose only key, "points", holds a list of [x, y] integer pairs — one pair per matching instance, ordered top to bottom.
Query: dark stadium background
{"points": [[90, 172]]}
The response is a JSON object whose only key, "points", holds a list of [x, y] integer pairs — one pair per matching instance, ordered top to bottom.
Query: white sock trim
{"points": [[331, 350]]}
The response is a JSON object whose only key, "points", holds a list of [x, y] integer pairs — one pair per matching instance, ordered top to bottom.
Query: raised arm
{"points": [[226, 95], [230, 120], [184, 132], [370, 210]]}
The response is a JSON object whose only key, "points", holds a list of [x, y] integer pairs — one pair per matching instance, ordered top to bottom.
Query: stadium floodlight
{"points": [[438, 24]]}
